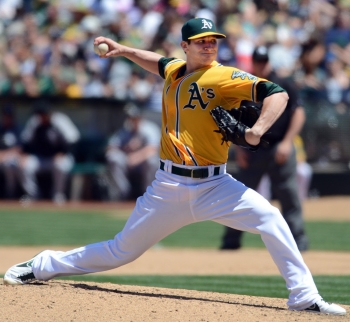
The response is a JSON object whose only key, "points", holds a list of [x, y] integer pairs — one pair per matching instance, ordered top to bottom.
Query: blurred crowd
{"points": [[46, 46], [43, 145], [46, 148]]}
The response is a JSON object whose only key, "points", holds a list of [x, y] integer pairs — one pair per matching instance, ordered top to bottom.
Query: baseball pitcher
{"points": [[191, 184]]}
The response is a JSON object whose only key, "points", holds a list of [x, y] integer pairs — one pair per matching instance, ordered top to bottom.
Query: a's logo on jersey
{"points": [[206, 24], [243, 75], [195, 92]]}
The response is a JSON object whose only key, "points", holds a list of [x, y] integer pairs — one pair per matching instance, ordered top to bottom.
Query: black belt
{"points": [[192, 173]]}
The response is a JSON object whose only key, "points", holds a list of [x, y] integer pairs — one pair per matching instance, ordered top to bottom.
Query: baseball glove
{"points": [[248, 113], [232, 129]]}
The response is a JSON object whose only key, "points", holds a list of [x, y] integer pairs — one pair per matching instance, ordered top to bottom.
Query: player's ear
{"points": [[184, 45]]}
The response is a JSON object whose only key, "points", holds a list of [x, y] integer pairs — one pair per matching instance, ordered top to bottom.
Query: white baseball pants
{"points": [[172, 202]]}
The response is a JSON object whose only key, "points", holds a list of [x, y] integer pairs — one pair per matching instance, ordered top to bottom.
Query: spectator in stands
{"points": [[45, 40], [311, 75], [337, 82], [140, 89], [47, 138], [9, 150], [133, 154], [278, 160]]}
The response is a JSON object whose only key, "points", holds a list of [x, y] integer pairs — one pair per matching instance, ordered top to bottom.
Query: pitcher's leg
{"points": [[250, 176], [252, 213], [152, 219], [280, 243]]}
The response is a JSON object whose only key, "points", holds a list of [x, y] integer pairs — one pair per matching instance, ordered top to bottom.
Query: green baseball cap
{"points": [[198, 28]]}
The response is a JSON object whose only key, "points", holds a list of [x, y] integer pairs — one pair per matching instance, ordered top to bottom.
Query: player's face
{"points": [[203, 50]]}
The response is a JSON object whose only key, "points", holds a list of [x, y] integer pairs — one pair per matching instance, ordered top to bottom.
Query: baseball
{"points": [[101, 49]]}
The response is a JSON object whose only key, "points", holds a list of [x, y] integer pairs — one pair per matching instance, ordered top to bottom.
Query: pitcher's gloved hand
{"points": [[231, 129]]}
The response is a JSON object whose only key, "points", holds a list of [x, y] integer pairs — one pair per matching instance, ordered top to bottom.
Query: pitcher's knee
{"points": [[269, 213], [269, 219], [125, 252]]}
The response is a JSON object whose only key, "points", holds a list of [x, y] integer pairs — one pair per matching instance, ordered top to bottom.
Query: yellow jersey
{"points": [[188, 136]]}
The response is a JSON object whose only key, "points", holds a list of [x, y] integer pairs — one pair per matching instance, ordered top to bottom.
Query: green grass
{"points": [[39, 227], [72, 227], [323, 235], [333, 288]]}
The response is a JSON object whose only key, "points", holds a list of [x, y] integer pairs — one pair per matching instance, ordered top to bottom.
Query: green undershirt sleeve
{"points": [[161, 65], [265, 89]]}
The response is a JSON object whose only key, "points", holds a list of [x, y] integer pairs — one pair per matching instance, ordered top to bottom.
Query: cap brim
{"points": [[204, 34]]}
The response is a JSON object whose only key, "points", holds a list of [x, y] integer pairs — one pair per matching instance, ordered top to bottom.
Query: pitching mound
{"points": [[86, 301]]}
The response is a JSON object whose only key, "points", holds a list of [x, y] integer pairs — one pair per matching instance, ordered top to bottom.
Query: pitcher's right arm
{"points": [[148, 60]]}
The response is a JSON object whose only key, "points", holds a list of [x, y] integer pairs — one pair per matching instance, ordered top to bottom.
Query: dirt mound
{"points": [[86, 301]]}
